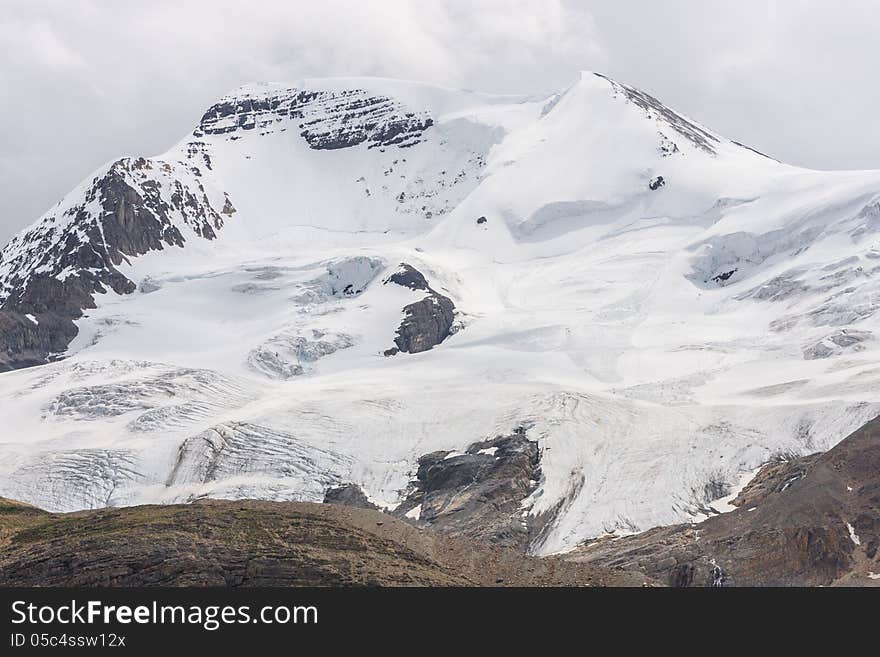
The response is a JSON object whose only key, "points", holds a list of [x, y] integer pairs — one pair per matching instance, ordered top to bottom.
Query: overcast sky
{"points": [[85, 81]]}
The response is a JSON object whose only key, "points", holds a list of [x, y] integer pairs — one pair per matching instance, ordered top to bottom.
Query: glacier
{"points": [[661, 308]]}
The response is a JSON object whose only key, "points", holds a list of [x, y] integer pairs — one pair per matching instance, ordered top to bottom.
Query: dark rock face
{"points": [[327, 120], [656, 183], [53, 271], [408, 276], [724, 276], [426, 323], [27, 344], [774, 478], [479, 494], [348, 495], [805, 522], [682, 575]]}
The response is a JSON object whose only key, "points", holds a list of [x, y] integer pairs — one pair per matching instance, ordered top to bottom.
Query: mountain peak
{"points": [[652, 109], [329, 118], [385, 284]]}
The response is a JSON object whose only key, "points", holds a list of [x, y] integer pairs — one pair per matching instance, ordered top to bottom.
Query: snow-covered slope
{"points": [[662, 309]]}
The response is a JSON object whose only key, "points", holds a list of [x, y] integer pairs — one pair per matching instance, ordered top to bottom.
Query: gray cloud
{"points": [[86, 81]]}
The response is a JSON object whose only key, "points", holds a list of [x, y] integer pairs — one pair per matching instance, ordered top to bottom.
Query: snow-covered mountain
{"points": [[363, 281]]}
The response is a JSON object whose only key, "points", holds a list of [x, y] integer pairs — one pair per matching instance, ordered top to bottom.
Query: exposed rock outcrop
{"points": [[327, 120], [657, 183], [53, 271], [426, 323], [26, 342], [774, 478], [479, 494], [348, 495]]}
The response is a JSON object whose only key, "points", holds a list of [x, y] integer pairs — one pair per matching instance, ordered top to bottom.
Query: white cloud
{"points": [[37, 42], [85, 81]]}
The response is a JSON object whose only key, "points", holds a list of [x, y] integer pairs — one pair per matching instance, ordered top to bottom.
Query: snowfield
{"points": [[662, 309]]}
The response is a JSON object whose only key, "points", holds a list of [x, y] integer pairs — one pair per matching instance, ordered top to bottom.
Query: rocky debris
{"points": [[327, 120], [667, 147], [656, 183], [481, 220], [54, 270], [426, 323], [479, 494], [348, 495], [811, 521], [247, 543]]}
